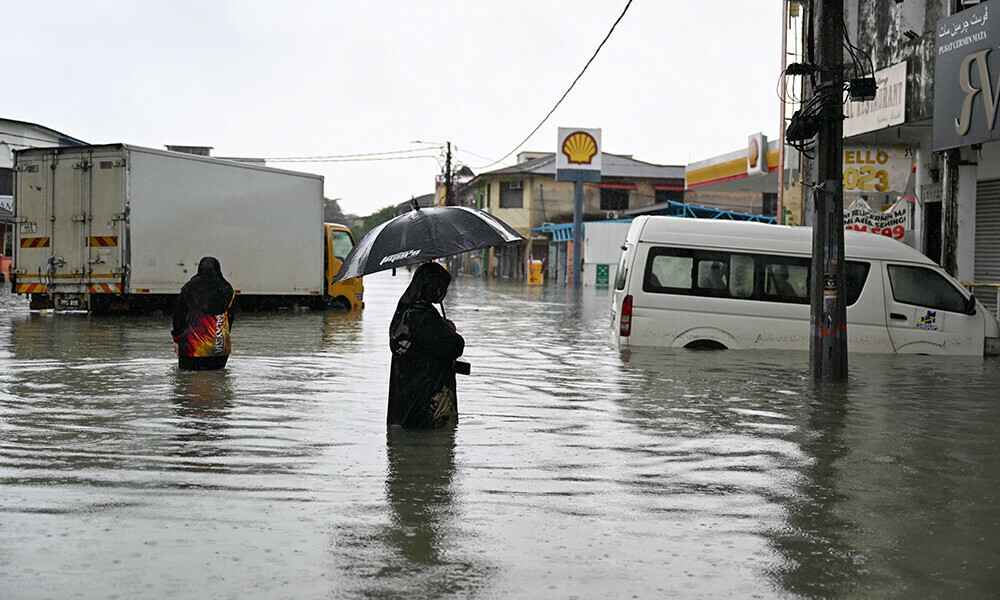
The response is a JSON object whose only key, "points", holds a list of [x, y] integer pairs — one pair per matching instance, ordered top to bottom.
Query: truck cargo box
{"points": [[116, 223]]}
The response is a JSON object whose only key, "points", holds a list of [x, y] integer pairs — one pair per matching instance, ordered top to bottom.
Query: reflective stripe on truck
{"points": [[35, 242], [31, 288], [105, 288]]}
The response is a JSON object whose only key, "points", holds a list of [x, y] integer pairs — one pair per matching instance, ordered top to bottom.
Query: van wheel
{"points": [[705, 345]]}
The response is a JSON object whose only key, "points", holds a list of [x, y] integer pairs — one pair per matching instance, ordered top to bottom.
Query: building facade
{"points": [[528, 197]]}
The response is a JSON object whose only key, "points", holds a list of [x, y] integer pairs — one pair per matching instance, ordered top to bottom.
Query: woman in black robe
{"points": [[202, 318], [424, 347]]}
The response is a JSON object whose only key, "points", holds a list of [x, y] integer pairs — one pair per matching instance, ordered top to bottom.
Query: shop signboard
{"points": [[966, 71], [887, 109], [877, 169], [890, 223]]}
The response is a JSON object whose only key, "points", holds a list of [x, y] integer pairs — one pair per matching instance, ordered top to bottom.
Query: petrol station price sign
{"points": [[877, 170]]}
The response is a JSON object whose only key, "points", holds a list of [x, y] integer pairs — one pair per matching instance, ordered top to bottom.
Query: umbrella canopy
{"points": [[424, 234]]}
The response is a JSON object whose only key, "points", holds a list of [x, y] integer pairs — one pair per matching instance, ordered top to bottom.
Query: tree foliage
{"points": [[365, 224]]}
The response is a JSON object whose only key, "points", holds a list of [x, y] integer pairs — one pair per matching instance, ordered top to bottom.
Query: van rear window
{"points": [[623, 264], [762, 277]]}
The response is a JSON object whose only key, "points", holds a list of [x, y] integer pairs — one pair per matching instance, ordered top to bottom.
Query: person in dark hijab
{"points": [[202, 318], [424, 347]]}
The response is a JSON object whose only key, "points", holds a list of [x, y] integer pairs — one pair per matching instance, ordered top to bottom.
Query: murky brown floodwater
{"points": [[576, 471]]}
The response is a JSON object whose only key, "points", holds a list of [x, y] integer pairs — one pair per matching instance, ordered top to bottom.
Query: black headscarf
{"points": [[430, 282], [208, 291]]}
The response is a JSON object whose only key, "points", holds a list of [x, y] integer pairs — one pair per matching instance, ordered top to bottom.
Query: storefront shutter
{"points": [[987, 268]]}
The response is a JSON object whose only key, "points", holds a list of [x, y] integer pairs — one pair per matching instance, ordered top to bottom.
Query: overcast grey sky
{"points": [[678, 81]]}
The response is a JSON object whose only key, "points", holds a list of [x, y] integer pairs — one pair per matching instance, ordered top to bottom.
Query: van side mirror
{"points": [[970, 305]]}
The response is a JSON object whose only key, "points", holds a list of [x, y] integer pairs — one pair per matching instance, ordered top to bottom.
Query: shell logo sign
{"points": [[579, 148], [757, 154]]}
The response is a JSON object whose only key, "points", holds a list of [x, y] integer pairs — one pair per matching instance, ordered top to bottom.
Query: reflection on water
{"points": [[575, 470]]}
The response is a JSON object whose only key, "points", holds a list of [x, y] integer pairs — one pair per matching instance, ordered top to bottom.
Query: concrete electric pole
{"points": [[828, 306]]}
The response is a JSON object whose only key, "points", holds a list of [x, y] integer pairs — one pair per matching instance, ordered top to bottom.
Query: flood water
{"points": [[575, 471]]}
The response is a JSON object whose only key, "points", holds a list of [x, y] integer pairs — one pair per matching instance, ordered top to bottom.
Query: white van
{"points": [[700, 283]]}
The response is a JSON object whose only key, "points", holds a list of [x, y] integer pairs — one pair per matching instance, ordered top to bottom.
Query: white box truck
{"points": [[118, 227]]}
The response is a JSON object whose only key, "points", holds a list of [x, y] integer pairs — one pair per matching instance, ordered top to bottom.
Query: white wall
{"points": [[602, 245]]}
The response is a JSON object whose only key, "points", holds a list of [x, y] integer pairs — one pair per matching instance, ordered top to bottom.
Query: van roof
{"points": [[761, 237]]}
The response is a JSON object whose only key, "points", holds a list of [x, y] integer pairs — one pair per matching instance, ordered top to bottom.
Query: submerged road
{"points": [[576, 471]]}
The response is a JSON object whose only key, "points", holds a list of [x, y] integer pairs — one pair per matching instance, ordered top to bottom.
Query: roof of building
{"points": [[68, 139], [612, 165]]}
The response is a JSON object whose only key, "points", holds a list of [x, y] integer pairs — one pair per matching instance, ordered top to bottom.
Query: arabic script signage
{"points": [[966, 77]]}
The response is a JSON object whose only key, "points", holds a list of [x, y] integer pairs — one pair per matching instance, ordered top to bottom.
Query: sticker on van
{"points": [[928, 321]]}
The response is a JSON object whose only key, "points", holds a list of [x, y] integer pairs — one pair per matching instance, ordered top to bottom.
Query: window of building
{"points": [[6, 182], [511, 194], [662, 196], [614, 199], [769, 207]]}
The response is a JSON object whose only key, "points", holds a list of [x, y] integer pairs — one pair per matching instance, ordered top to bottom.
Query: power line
{"points": [[535, 130], [335, 157]]}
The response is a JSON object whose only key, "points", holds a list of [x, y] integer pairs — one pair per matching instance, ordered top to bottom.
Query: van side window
{"points": [[668, 272], [856, 273], [713, 276], [741, 276], [761, 277], [786, 279], [924, 287]]}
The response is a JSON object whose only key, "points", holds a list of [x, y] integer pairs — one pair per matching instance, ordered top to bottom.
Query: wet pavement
{"points": [[576, 471]]}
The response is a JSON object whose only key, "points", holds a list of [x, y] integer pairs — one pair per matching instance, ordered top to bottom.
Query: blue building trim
{"points": [[563, 232]]}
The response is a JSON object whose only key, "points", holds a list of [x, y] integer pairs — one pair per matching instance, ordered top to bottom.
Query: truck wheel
{"points": [[338, 303]]}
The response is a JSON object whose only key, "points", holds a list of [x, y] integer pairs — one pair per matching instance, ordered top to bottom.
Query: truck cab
{"points": [[348, 294]]}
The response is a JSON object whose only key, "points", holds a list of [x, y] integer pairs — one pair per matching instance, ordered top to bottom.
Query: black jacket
{"points": [[202, 314], [424, 349]]}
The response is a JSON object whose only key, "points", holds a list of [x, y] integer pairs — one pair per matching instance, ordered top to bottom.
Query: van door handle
{"points": [[897, 316]]}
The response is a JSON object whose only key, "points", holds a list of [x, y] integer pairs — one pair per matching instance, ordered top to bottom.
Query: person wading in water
{"points": [[202, 318], [424, 347]]}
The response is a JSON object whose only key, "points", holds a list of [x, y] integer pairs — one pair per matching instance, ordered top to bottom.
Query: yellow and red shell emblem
{"points": [[579, 147]]}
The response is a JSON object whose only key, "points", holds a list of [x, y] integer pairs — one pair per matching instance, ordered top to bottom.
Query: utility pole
{"points": [[447, 176], [828, 306]]}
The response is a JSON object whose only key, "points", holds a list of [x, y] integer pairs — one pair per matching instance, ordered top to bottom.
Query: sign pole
{"points": [[577, 232]]}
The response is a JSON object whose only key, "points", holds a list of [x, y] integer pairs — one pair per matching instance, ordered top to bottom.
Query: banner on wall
{"points": [[877, 169], [791, 204], [890, 223]]}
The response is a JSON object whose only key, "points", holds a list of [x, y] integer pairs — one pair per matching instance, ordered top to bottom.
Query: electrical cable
{"points": [[566, 93], [346, 156], [317, 160]]}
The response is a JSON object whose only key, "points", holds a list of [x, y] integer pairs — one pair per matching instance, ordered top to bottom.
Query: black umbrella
{"points": [[424, 234]]}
